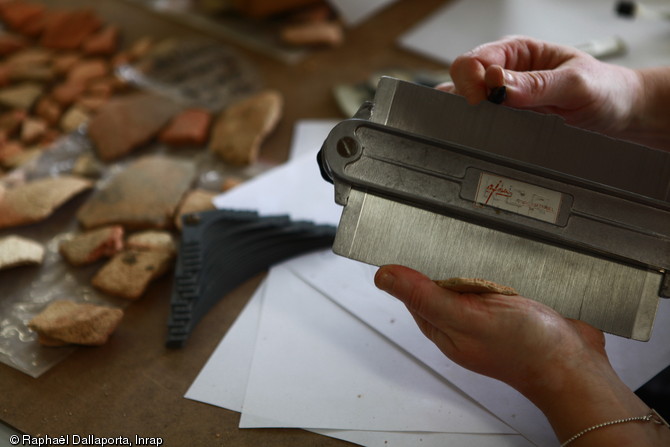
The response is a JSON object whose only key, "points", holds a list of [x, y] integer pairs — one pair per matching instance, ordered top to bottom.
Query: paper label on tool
{"points": [[518, 197]]}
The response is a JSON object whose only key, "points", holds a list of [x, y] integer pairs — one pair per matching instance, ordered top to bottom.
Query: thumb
{"points": [[529, 89], [407, 285]]}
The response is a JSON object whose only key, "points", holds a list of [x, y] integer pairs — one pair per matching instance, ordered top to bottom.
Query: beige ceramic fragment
{"points": [[313, 33], [140, 48], [34, 56], [63, 62], [31, 64], [86, 70], [37, 73], [5, 75], [21, 96], [74, 118], [126, 123], [32, 129], [241, 129], [9, 152], [21, 157], [86, 165], [144, 195], [36, 200], [195, 201], [152, 240], [88, 247], [16, 251], [129, 273], [475, 285], [67, 322], [50, 342]]}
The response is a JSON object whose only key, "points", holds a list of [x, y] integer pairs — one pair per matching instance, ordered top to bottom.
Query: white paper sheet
{"points": [[463, 24], [308, 136], [294, 188], [390, 317], [635, 362], [315, 366], [223, 382], [408, 439]]}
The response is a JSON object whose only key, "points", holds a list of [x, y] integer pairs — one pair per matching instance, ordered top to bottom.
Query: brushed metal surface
{"points": [[542, 140], [445, 178], [616, 298]]}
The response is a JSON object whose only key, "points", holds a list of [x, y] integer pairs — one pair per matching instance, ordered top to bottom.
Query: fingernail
{"points": [[384, 280]]}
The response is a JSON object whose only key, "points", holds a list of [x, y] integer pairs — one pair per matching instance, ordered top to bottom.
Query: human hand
{"points": [[550, 78], [514, 339], [558, 364]]}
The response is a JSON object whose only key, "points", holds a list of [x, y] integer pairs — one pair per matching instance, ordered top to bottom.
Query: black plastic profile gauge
{"points": [[221, 249]]}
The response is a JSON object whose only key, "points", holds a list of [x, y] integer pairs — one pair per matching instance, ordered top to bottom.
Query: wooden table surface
{"points": [[134, 385]]}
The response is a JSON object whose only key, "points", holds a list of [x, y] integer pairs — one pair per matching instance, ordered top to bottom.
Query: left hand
{"points": [[511, 338]]}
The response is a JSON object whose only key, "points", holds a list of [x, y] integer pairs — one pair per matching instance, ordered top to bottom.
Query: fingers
{"points": [[525, 66], [467, 73], [470, 75], [495, 76], [448, 87], [532, 89], [542, 90], [409, 286], [431, 306], [440, 307]]}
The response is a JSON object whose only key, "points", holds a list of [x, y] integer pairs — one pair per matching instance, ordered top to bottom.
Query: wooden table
{"points": [[134, 385]]}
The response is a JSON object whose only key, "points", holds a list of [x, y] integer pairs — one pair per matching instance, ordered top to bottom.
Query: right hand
{"points": [[550, 78]]}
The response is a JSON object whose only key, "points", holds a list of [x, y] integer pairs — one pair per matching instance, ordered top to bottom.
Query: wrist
{"points": [[649, 110], [586, 392], [581, 393], [652, 417]]}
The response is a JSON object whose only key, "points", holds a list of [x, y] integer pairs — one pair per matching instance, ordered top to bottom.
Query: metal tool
{"points": [[571, 218]]}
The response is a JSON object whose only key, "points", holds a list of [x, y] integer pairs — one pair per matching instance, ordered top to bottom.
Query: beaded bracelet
{"points": [[653, 416]]}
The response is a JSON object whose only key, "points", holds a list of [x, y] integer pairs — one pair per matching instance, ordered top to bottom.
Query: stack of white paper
{"points": [[318, 347]]}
